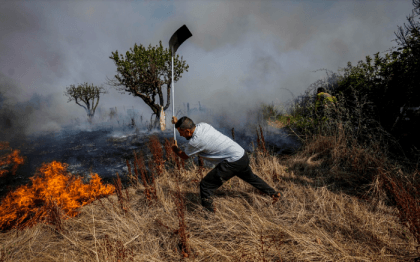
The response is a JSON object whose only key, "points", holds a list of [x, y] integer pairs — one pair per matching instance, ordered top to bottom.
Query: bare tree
{"points": [[409, 36], [87, 94]]}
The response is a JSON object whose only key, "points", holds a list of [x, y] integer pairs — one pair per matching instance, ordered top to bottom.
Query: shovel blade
{"points": [[178, 38]]}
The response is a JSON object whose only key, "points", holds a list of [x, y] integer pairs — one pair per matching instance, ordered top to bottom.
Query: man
{"points": [[324, 101], [229, 157]]}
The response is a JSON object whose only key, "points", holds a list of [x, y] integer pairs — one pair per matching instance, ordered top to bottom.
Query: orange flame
{"points": [[6, 160], [30, 204]]}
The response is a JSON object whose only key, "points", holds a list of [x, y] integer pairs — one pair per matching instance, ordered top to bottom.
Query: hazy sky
{"points": [[241, 52]]}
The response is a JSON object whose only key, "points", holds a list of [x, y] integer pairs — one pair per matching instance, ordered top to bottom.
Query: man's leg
{"points": [[245, 173], [212, 181]]}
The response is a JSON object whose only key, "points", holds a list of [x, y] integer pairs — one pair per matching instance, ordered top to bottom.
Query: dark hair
{"points": [[320, 89], [185, 123]]}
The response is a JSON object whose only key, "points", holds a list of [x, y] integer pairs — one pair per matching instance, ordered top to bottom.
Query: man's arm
{"points": [[178, 151]]}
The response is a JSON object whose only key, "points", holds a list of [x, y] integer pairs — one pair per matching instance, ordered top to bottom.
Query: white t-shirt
{"points": [[212, 145]]}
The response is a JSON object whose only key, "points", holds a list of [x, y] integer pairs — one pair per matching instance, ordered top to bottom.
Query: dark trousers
{"points": [[225, 171]]}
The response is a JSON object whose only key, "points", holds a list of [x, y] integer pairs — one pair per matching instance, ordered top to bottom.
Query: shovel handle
{"points": [[173, 91]]}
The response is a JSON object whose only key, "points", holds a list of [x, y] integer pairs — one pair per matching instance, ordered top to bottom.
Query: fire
{"points": [[12, 159], [51, 187]]}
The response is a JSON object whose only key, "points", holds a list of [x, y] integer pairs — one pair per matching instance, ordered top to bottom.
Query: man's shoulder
{"points": [[203, 126], [200, 130], [197, 133]]}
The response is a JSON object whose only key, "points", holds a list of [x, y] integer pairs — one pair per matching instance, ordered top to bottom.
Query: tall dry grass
{"points": [[351, 152], [313, 221]]}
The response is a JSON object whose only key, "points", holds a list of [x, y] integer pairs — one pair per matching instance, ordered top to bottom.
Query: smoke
{"points": [[242, 53], [39, 114]]}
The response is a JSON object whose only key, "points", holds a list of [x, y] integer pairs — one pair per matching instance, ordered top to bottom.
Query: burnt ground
{"points": [[104, 150]]}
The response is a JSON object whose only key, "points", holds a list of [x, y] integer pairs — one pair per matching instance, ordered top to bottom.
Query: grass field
{"points": [[335, 206]]}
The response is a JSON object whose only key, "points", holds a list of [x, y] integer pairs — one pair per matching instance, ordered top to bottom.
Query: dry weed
{"points": [[261, 142], [157, 154], [170, 155], [149, 190], [119, 192], [406, 197], [182, 230]]}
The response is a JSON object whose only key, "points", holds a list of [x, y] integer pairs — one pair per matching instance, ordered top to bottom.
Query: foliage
{"points": [[143, 72], [390, 83], [87, 94], [374, 97], [269, 111], [363, 135]]}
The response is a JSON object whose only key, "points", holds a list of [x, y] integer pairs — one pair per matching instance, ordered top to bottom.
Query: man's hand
{"points": [[174, 120], [175, 147], [178, 151]]}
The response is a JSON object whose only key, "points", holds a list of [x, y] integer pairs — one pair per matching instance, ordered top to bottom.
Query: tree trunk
{"points": [[156, 111], [156, 123]]}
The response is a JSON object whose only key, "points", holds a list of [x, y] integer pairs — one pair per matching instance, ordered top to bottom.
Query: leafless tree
{"points": [[87, 94]]}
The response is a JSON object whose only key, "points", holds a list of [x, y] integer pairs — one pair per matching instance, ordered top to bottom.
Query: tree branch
{"points": [[81, 105]]}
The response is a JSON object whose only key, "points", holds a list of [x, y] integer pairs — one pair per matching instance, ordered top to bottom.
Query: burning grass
{"points": [[9, 159], [52, 191], [317, 219]]}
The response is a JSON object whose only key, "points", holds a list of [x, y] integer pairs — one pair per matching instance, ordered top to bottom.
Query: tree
{"points": [[409, 36], [143, 72], [87, 94]]}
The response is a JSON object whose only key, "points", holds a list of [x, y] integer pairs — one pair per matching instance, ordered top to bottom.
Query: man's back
{"points": [[212, 145]]}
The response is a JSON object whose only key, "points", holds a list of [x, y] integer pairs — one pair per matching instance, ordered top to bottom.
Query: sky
{"points": [[242, 52]]}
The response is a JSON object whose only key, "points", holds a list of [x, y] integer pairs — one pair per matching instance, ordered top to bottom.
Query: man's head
{"points": [[320, 90], [185, 127]]}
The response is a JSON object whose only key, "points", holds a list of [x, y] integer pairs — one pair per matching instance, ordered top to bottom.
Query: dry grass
{"points": [[314, 220]]}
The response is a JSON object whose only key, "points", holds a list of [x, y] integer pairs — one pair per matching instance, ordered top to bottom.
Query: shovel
{"points": [[176, 40]]}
